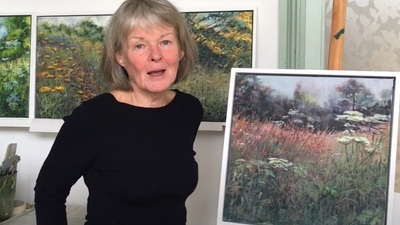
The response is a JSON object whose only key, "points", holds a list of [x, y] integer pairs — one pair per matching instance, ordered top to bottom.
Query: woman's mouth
{"points": [[156, 72]]}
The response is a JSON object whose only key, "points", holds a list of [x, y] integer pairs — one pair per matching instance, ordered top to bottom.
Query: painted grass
{"points": [[291, 175]]}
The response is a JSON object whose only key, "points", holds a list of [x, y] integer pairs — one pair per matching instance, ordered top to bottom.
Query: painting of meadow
{"points": [[15, 46], [69, 51], [68, 60], [308, 149]]}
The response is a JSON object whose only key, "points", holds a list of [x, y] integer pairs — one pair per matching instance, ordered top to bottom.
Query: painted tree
{"points": [[14, 37], [14, 65], [356, 94], [303, 98], [253, 100]]}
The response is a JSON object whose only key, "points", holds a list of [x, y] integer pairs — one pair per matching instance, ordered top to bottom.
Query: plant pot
{"points": [[7, 195]]}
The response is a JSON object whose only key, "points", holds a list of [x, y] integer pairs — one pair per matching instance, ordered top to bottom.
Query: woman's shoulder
{"points": [[187, 98], [99, 100], [96, 103], [190, 103], [91, 109]]}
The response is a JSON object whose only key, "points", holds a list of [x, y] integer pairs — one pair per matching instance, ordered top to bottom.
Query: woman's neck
{"points": [[146, 100]]}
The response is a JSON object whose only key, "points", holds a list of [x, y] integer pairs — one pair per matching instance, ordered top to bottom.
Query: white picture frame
{"points": [[246, 140]]}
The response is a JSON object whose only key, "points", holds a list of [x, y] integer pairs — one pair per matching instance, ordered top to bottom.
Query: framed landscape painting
{"points": [[15, 49], [69, 51], [68, 59], [309, 148]]}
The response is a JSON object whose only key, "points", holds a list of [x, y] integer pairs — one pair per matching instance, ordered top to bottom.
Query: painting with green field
{"points": [[15, 47], [69, 51], [309, 148]]}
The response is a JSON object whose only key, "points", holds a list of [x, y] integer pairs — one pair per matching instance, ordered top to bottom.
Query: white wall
{"points": [[33, 147]]}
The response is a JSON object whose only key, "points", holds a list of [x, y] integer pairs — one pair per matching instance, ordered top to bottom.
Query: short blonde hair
{"points": [[144, 13]]}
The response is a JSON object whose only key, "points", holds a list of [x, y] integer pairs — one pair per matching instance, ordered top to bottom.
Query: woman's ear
{"points": [[181, 55], [120, 59]]}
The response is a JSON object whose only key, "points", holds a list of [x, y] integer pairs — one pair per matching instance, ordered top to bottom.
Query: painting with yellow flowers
{"points": [[15, 46], [69, 51], [67, 68]]}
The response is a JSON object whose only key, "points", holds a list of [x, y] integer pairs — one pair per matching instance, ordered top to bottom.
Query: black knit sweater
{"points": [[138, 163]]}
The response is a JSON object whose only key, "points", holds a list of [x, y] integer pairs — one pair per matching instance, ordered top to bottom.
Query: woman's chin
{"points": [[159, 86], [159, 89]]}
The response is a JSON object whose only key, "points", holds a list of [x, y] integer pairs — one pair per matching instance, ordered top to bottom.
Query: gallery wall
{"points": [[33, 147]]}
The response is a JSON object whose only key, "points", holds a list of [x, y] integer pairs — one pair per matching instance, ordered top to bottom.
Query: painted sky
{"points": [[100, 20], [3, 30], [321, 86]]}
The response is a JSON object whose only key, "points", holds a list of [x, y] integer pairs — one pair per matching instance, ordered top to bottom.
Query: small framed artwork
{"points": [[225, 39], [68, 53], [15, 73], [309, 147]]}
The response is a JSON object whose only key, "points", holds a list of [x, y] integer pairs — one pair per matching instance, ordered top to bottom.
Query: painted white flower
{"points": [[345, 140], [362, 140]]}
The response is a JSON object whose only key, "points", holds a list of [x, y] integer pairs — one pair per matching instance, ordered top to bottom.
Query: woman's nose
{"points": [[155, 54]]}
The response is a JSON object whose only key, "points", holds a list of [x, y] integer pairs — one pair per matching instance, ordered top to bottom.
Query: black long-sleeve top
{"points": [[138, 163]]}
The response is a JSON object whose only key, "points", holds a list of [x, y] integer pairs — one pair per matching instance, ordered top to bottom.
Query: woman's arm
{"points": [[69, 157]]}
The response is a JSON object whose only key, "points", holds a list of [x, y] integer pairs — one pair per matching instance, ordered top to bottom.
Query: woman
{"points": [[134, 145]]}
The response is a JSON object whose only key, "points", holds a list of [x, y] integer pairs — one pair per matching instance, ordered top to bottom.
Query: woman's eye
{"points": [[165, 42], [139, 46]]}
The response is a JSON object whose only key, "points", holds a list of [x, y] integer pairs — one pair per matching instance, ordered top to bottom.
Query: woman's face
{"points": [[151, 58]]}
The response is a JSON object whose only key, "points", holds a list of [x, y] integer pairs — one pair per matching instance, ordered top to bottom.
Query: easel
{"points": [[337, 34]]}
